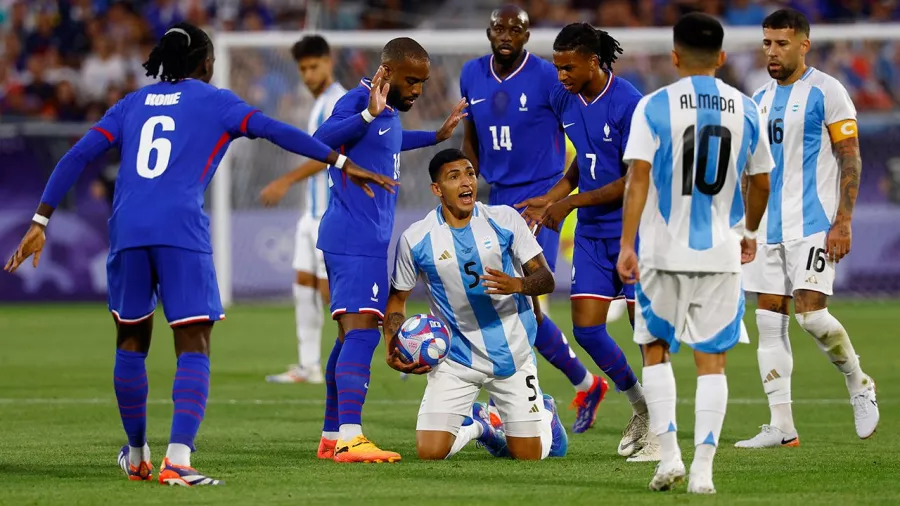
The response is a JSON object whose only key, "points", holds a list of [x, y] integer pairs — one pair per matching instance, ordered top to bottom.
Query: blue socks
{"points": [[551, 344], [606, 354], [352, 373], [130, 381], [189, 392], [331, 423]]}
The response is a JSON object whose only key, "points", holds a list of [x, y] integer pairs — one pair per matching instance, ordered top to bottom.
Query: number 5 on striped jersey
{"points": [[593, 158]]}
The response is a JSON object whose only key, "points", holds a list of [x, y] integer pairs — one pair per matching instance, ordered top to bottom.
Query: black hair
{"points": [[787, 18], [699, 33], [585, 38], [311, 46], [403, 48], [179, 53], [444, 157]]}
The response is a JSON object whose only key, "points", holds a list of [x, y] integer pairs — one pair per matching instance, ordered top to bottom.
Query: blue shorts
{"points": [[512, 195], [594, 274], [184, 280], [357, 284]]}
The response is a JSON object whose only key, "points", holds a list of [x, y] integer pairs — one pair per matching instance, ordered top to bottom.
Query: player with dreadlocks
{"points": [[594, 107], [172, 136]]}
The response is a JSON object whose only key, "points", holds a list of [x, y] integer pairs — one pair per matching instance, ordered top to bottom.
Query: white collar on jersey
{"points": [[514, 72], [606, 88], [439, 210]]}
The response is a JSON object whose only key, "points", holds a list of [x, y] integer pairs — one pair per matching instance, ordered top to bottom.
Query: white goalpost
{"points": [[252, 245]]}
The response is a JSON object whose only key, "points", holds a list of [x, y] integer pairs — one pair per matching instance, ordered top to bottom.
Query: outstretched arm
{"points": [[276, 190], [608, 194]]}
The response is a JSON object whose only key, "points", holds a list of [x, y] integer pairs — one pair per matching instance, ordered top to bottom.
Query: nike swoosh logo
{"points": [[478, 101], [567, 125], [382, 132], [366, 385], [787, 441], [626, 446]]}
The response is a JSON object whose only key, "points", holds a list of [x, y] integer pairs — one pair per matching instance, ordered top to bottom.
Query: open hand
{"points": [[379, 93], [453, 120], [361, 177], [556, 214], [837, 243], [32, 244], [627, 266], [500, 283]]}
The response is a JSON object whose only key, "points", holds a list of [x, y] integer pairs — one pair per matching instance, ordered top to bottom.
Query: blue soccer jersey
{"points": [[599, 132], [520, 141], [355, 224]]}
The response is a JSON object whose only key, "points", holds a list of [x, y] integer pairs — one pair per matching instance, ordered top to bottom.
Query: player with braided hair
{"points": [[594, 107]]}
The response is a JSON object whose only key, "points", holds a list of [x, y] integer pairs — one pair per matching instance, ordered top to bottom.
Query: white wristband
{"points": [[367, 116], [339, 164], [40, 220], [750, 234]]}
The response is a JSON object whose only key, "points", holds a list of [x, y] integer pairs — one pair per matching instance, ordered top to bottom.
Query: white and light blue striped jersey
{"points": [[803, 120], [699, 134], [317, 191], [492, 334]]}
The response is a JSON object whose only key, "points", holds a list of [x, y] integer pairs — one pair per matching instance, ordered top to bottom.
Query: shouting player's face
{"points": [[508, 34], [785, 50], [574, 69], [315, 71], [407, 80], [457, 187]]}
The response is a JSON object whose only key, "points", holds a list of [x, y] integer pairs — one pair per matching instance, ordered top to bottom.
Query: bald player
{"points": [[515, 141], [355, 232]]}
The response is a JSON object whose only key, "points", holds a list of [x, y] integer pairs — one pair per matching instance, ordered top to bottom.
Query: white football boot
{"points": [[865, 411], [635, 435], [770, 437], [649, 451], [667, 476], [700, 482]]}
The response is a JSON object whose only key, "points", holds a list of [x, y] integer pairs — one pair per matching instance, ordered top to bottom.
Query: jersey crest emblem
{"points": [[523, 100]]}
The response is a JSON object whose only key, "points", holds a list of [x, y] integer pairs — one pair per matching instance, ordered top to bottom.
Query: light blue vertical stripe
{"points": [[657, 114], [748, 145], [814, 218], [774, 227], [700, 235], [523, 307], [495, 342], [460, 347]]}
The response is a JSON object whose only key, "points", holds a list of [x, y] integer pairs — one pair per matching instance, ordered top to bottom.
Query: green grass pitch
{"points": [[61, 431]]}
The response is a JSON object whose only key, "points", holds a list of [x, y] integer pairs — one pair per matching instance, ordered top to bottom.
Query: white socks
{"points": [[309, 320], [835, 343], [776, 364], [586, 383], [659, 393], [635, 396], [710, 403], [349, 431], [466, 434], [331, 436], [138, 454], [179, 454]]}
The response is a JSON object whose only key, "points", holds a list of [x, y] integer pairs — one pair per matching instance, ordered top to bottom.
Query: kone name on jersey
{"points": [[162, 98], [707, 101]]}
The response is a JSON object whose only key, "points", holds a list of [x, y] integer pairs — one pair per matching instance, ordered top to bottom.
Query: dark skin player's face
{"points": [[508, 36], [574, 69], [315, 71], [407, 80], [457, 187]]}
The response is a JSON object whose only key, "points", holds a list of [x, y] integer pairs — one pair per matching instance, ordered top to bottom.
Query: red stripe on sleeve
{"points": [[246, 119], [105, 133], [221, 142]]}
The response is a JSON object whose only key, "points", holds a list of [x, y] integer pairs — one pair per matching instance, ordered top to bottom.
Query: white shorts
{"points": [[308, 258], [781, 269], [703, 310], [453, 388]]}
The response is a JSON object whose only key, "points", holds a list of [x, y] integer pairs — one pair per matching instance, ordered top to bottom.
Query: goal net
{"points": [[254, 244]]}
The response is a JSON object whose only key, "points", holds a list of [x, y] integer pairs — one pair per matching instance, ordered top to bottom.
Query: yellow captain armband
{"points": [[843, 130]]}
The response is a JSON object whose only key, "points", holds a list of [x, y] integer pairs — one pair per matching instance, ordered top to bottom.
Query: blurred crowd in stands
{"points": [[69, 60]]}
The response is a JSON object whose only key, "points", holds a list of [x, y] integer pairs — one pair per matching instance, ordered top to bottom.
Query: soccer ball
{"points": [[423, 340]]}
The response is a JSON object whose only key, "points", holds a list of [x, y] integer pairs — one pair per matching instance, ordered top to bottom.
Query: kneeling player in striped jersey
{"points": [[691, 140], [472, 258]]}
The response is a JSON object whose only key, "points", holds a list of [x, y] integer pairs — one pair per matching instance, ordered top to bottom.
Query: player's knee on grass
{"points": [[806, 301], [775, 303], [134, 336], [193, 338], [655, 353], [433, 444], [524, 448]]}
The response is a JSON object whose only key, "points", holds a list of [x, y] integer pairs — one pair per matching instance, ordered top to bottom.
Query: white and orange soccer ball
{"points": [[423, 339]]}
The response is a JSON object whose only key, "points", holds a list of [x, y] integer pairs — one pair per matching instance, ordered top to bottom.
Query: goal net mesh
{"points": [[259, 68]]}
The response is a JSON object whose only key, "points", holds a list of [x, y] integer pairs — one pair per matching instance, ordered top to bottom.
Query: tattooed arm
{"points": [[850, 165], [538, 279], [396, 315]]}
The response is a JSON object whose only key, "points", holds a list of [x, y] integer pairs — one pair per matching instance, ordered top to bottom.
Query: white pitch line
{"points": [[317, 402]]}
